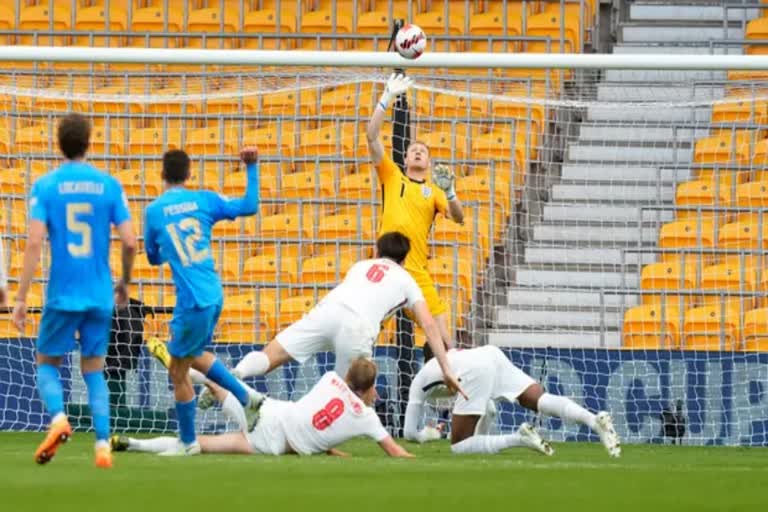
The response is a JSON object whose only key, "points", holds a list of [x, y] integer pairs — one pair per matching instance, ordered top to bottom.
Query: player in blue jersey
{"points": [[76, 206], [177, 230]]}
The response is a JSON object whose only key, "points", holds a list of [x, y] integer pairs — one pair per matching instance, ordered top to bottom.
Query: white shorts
{"points": [[333, 328], [496, 379], [268, 436]]}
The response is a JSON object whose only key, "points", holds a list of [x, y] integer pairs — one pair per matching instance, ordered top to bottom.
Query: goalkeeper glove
{"points": [[396, 85], [443, 177]]}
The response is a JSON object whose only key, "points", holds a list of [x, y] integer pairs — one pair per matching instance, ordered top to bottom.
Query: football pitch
{"points": [[579, 477]]}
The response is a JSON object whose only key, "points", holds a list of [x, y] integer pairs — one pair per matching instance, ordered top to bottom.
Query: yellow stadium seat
{"points": [[43, 18], [153, 18], [8, 19], [94, 19], [212, 20], [266, 21], [321, 22], [375, 24], [435, 24], [492, 24], [550, 24], [756, 29], [230, 99], [348, 101], [290, 103], [451, 105], [740, 109], [529, 115], [35, 138], [330, 140], [154, 141], [207, 141], [108, 142], [271, 143], [444, 145], [497, 145], [725, 147], [759, 158], [13, 181], [236, 182], [138, 183], [307, 185], [359, 186], [478, 188], [702, 193], [752, 195], [285, 225], [239, 227], [351, 227], [448, 231], [689, 233], [743, 235], [285, 249], [229, 265], [265, 269], [325, 269], [143, 270], [453, 274], [669, 276], [728, 277], [293, 308], [246, 318], [703, 326], [651, 327], [756, 330]]}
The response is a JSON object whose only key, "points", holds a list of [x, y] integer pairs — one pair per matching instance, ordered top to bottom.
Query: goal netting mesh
{"points": [[613, 242]]}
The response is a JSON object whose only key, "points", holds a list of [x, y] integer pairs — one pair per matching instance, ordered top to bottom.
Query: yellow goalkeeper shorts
{"points": [[436, 305]]}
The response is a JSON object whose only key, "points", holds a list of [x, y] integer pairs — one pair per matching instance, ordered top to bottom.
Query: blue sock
{"points": [[219, 374], [49, 388], [98, 399], [185, 412]]}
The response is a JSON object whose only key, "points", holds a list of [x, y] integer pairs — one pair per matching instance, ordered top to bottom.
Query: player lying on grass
{"points": [[75, 206], [177, 230], [348, 319], [488, 376], [334, 411]]}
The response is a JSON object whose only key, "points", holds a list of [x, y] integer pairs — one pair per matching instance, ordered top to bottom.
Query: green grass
{"points": [[578, 477]]}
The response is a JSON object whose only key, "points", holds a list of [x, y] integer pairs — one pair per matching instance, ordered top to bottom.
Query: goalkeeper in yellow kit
{"points": [[412, 199]]}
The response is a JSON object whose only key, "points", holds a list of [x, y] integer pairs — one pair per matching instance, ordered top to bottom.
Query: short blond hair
{"points": [[420, 142], [361, 375]]}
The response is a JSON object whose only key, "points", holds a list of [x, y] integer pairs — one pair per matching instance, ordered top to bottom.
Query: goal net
{"points": [[613, 240]]}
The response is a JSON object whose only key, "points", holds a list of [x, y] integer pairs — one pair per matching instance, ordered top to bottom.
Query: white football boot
{"points": [[608, 435], [531, 439]]}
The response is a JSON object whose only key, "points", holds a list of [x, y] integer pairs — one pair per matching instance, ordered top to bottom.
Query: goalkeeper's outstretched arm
{"points": [[396, 85]]}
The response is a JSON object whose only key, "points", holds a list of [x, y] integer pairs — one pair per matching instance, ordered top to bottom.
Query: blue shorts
{"points": [[58, 328], [192, 330]]}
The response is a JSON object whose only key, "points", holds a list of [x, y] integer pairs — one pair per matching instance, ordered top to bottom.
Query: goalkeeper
{"points": [[411, 200]]}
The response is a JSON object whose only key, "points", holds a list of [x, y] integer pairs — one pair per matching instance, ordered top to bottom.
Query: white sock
{"points": [[253, 364], [197, 377], [567, 409], [234, 411], [59, 417], [101, 444], [487, 444], [155, 445]]}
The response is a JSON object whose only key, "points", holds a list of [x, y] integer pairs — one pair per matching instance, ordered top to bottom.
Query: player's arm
{"points": [[396, 85], [445, 179], [248, 204], [38, 216], [121, 218], [151, 247], [435, 341], [393, 449], [333, 452]]}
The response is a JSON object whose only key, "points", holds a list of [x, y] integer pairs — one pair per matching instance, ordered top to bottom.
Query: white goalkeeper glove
{"points": [[396, 85], [443, 177]]}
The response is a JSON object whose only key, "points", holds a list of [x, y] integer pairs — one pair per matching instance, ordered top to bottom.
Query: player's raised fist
{"points": [[249, 155]]}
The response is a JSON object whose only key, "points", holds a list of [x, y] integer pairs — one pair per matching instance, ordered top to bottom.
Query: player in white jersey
{"points": [[347, 321], [488, 376], [334, 411]]}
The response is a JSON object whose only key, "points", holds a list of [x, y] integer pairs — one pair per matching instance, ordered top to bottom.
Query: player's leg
{"points": [[437, 306], [56, 338], [94, 339], [353, 339], [261, 362], [536, 399], [464, 440], [233, 442]]}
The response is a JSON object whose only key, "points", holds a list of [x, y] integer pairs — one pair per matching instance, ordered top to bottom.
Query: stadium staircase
{"points": [[577, 255]]}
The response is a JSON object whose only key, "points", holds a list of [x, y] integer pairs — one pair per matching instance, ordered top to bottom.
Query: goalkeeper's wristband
{"points": [[384, 100], [450, 194]]}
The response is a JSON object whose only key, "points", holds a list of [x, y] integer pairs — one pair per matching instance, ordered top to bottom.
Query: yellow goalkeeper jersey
{"points": [[409, 206]]}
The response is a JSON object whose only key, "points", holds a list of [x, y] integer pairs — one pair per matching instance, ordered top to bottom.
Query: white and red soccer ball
{"points": [[410, 41]]}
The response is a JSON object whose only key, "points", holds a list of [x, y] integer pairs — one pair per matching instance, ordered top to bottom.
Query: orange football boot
{"points": [[58, 433], [103, 457]]}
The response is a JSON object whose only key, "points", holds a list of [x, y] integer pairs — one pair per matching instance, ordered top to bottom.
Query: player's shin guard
{"points": [[253, 364], [219, 374], [50, 390], [98, 399], [566, 409], [185, 412], [486, 444], [156, 445]]}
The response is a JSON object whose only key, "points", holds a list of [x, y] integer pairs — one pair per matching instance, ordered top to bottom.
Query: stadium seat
{"points": [[42, 19], [94, 19], [154, 19], [211, 20], [270, 21], [8, 22], [322, 22], [435, 23], [491, 23], [375, 24], [552, 25], [756, 29], [348, 101], [290, 103], [451, 106], [740, 109], [529, 116], [35, 138], [333, 140], [153, 141], [107, 142], [208, 142], [271, 143], [498, 144], [445, 145], [725, 147], [759, 158], [138, 183], [235, 184], [307, 185], [361, 186], [478, 188], [702, 193], [752, 195], [285, 226], [448, 231], [689, 233], [743, 235], [229, 265], [265, 269], [326, 269], [143, 270], [452, 274], [669, 276], [729, 277], [293, 308], [246, 318], [651, 327], [712, 327], [756, 330]]}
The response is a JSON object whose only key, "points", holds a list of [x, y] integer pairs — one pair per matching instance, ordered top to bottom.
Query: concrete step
{"points": [[666, 12], [658, 32], [675, 49], [645, 76], [609, 91], [623, 113], [609, 132], [660, 154], [626, 174], [614, 192], [583, 212], [613, 235], [542, 255], [571, 279], [569, 298], [514, 317], [527, 338]]}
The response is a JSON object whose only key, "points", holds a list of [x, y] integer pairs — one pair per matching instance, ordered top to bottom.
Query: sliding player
{"points": [[411, 200], [75, 205], [178, 231], [348, 319], [489, 376], [334, 411]]}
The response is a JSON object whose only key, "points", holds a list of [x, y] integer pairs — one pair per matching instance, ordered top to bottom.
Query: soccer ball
{"points": [[410, 41]]}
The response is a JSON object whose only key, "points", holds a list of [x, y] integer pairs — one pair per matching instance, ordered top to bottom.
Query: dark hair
{"points": [[74, 135], [175, 167], [394, 246], [361, 375]]}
